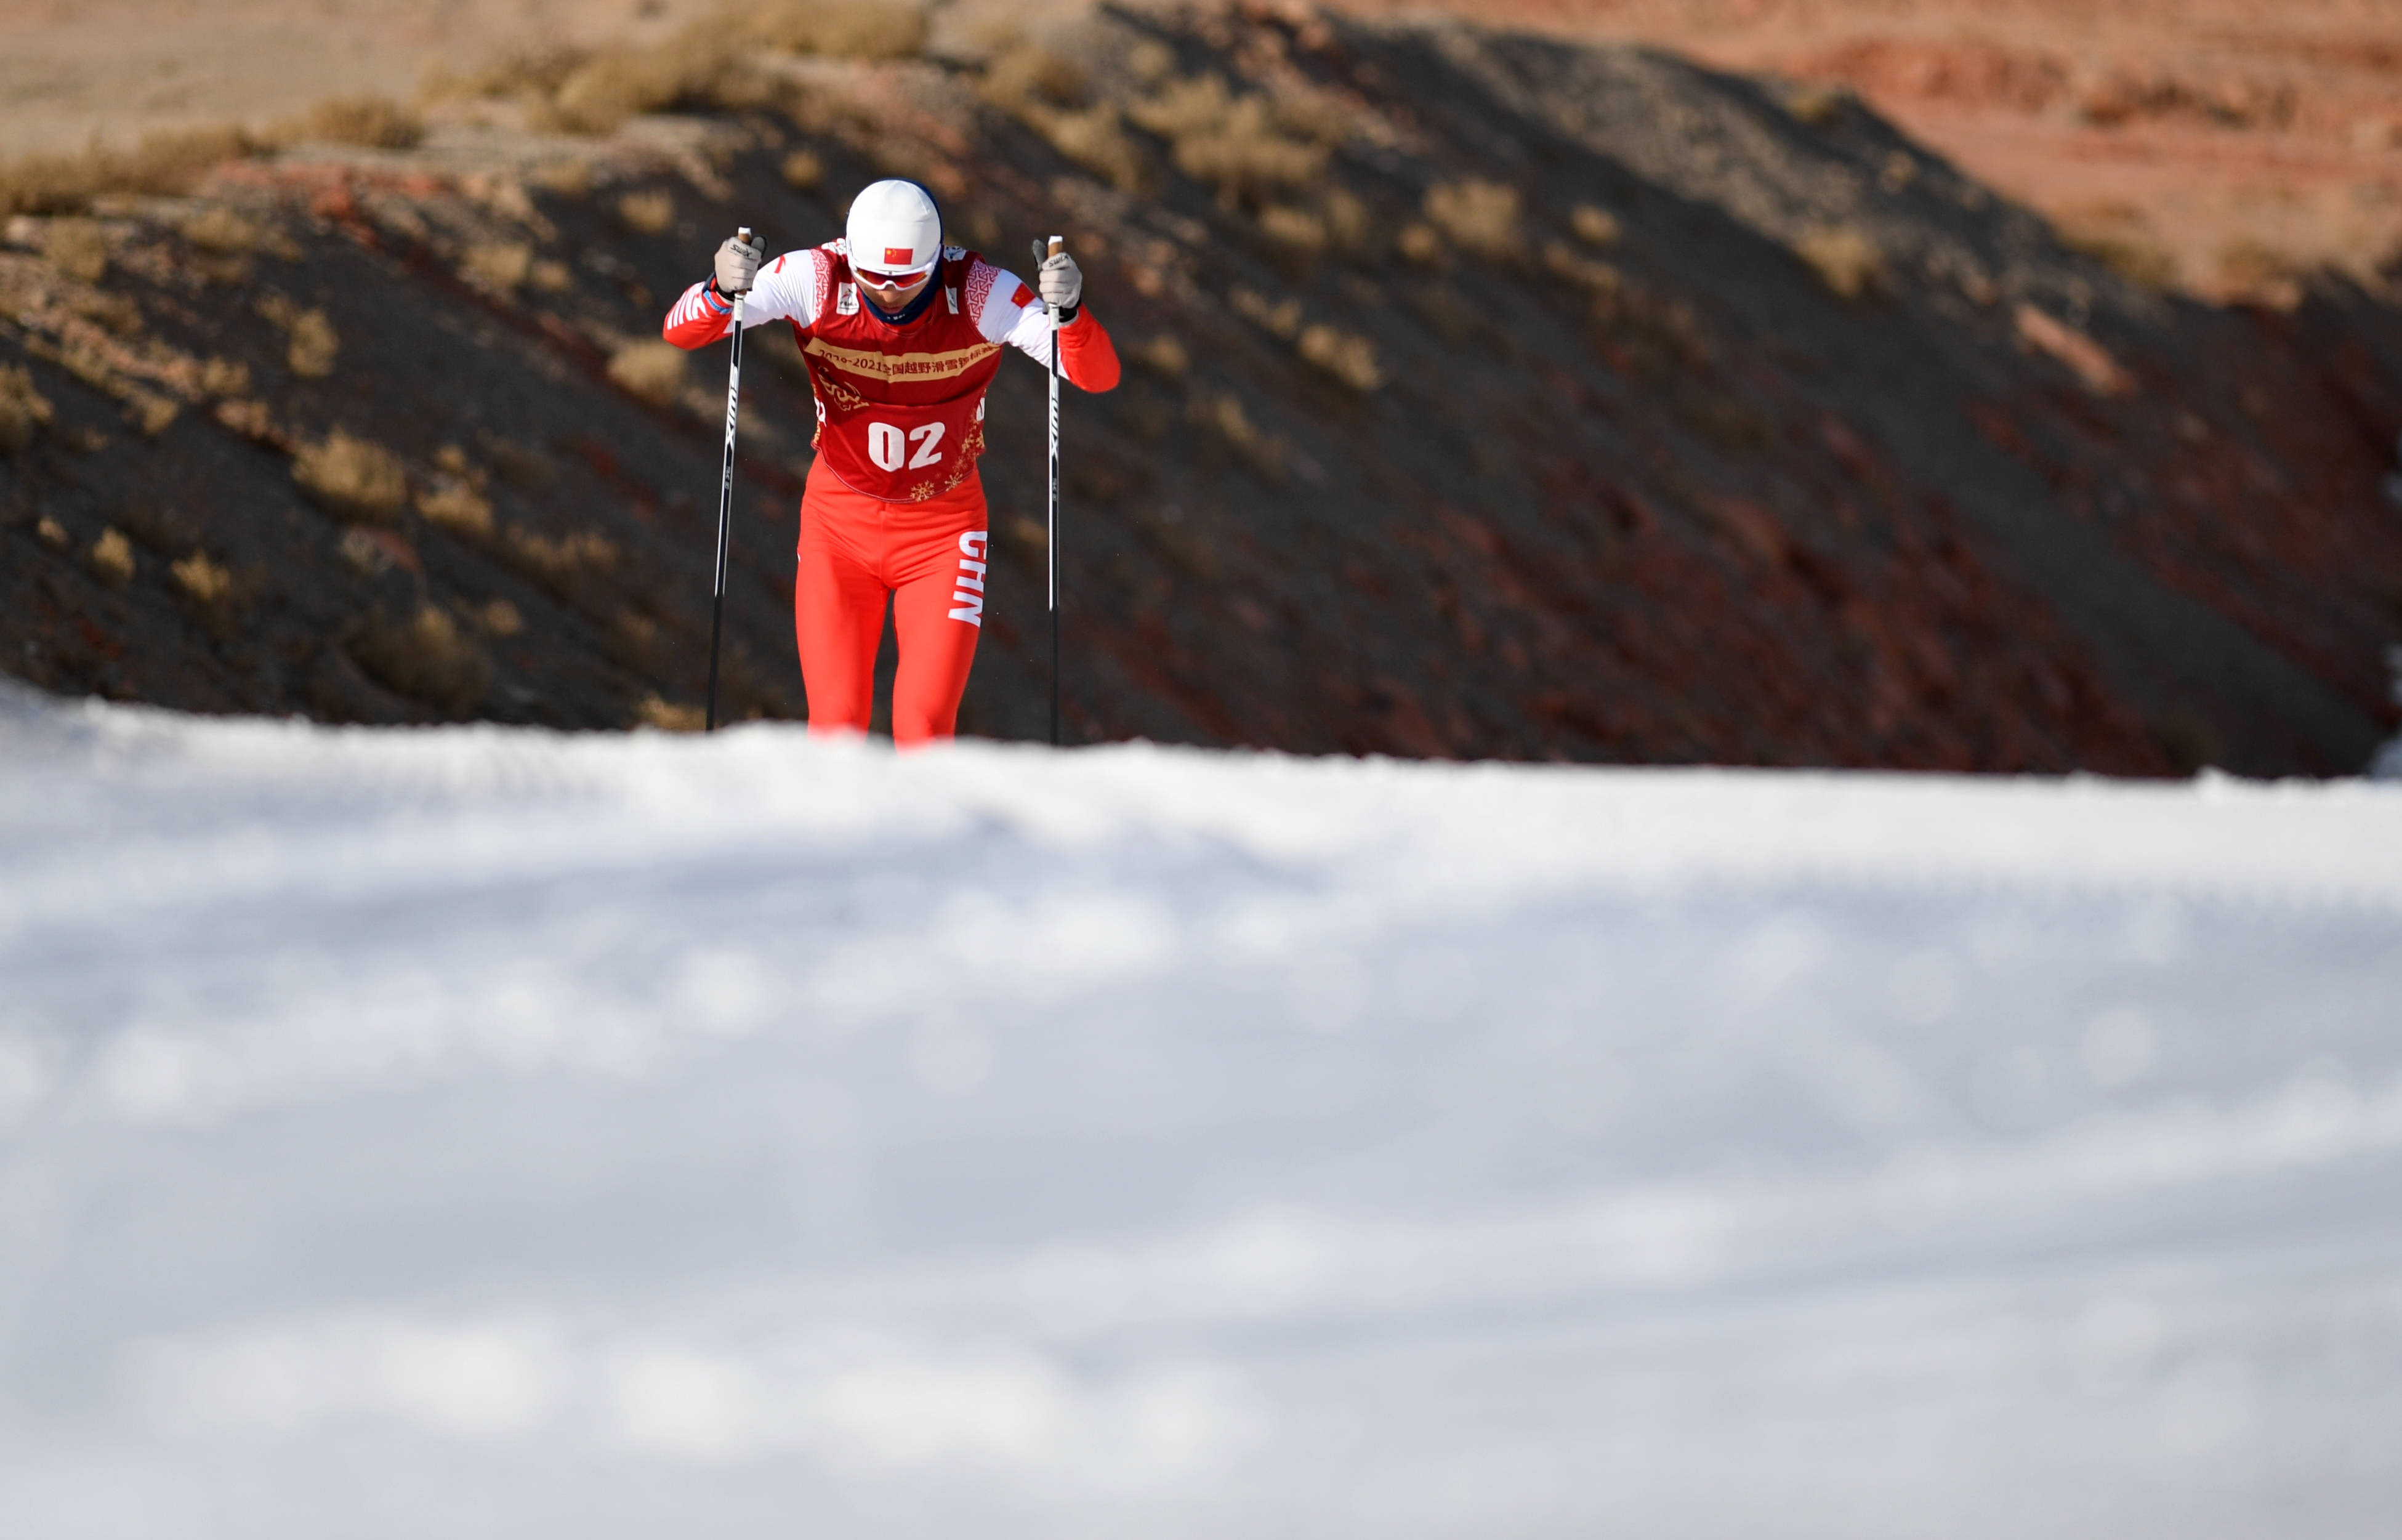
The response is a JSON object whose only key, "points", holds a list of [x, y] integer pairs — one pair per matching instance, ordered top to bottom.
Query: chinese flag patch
{"points": [[898, 256], [1024, 297]]}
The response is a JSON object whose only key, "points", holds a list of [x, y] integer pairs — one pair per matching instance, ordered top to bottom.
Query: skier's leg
{"points": [[838, 612], [938, 615]]}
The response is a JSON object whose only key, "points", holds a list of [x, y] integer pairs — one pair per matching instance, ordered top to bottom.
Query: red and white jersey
{"points": [[900, 408]]}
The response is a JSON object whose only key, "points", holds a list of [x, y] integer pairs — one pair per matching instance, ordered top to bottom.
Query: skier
{"points": [[902, 336]]}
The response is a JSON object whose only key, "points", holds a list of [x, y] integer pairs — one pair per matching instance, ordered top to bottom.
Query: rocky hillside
{"points": [[1487, 397]]}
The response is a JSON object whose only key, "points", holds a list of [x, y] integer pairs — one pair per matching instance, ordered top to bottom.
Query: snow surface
{"points": [[481, 1132]]}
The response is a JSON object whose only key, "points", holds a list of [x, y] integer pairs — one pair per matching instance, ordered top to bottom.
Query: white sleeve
{"points": [[786, 289], [1002, 317]]}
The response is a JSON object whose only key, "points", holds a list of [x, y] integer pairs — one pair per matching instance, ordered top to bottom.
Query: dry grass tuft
{"points": [[839, 29], [1151, 61], [706, 64], [703, 66], [1029, 76], [1047, 93], [1817, 105], [1184, 108], [377, 122], [1095, 140], [1237, 144], [1245, 157], [162, 163], [804, 169], [565, 178], [647, 213], [1477, 216], [1350, 223], [1593, 226], [221, 231], [1299, 231], [1420, 242], [78, 248], [1843, 256], [2140, 262], [498, 265], [2256, 269], [1584, 272], [552, 275], [1280, 318], [310, 340], [1163, 353], [1349, 358], [655, 371], [223, 377], [22, 409], [150, 412], [251, 420], [1265, 451], [353, 478], [458, 507], [52, 533], [112, 558], [561, 562], [201, 580], [500, 618], [427, 658], [667, 716]]}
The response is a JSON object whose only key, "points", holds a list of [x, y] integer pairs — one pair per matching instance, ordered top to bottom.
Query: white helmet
{"points": [[894, 228]]}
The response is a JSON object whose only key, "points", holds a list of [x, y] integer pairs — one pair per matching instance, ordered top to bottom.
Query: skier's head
{"points": [[895, 237]]}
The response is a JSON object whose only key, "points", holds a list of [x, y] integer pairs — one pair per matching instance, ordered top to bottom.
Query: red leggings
{"points": [[930, 557]]}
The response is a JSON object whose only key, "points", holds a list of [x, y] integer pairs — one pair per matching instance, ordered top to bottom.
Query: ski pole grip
{"points": [[743, 234], [1059, 244]]}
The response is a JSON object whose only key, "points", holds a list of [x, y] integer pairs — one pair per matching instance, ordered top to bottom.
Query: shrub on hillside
{"points": [[838, 29], [377, 122], [1236, 144], [160, 164], [647, 213], [1476, 215], [1593, 226], [222, 232], [78, 248], [1843, 256], [499, 266], [310, 341], [1349, 358], [655, 371], [22, 409], [353, 478], [458, 507], [112, 558], [203, 582], [426, 658]]}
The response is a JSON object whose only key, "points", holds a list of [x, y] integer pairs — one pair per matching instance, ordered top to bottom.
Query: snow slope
{"points": [[481, 1132]]}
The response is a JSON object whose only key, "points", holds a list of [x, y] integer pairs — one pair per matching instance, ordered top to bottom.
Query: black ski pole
{"points": [[725, 498], [1051, 518]]}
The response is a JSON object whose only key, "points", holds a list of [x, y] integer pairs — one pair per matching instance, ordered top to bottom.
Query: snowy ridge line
{"points": [[1482, 829]]}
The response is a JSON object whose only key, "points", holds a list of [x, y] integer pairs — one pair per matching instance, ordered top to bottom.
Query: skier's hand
{"points": [[737, 264], [1061, 280]]}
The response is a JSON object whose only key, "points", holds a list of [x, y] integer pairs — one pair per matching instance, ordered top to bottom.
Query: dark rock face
{"points": [[1485, 397]]}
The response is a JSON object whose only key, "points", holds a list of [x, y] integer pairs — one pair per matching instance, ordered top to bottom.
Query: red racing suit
{"points": [[893, 504]]}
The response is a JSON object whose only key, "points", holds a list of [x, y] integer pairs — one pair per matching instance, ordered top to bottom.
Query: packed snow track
{"points": [[483, 1132]]}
